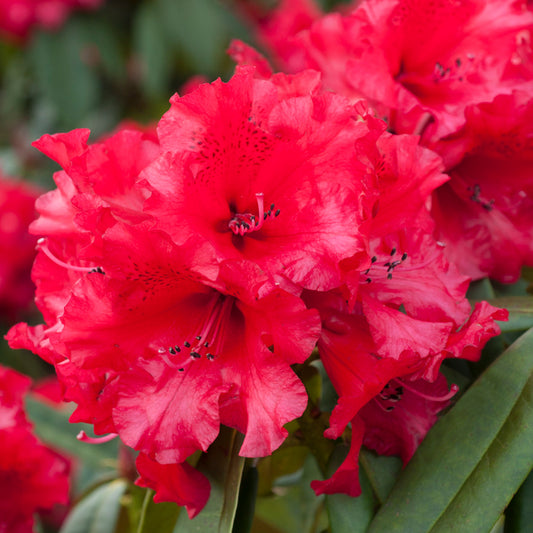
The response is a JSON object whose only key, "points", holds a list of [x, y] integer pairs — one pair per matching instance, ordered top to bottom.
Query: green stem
{"points": [[232, 484], [147, 497]]}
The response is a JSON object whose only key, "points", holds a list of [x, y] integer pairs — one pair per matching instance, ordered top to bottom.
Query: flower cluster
{"points": [[19, 17], [457, 73], [183, 274], [32, 477]]}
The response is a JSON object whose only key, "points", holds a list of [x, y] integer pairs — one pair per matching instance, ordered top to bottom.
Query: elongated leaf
{"points": [[520, 312], [460, 449], [487, 491], [99, 511], [519, 515]]}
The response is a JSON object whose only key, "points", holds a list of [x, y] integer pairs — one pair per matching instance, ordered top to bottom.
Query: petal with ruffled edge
{"points": [[179, 483]]}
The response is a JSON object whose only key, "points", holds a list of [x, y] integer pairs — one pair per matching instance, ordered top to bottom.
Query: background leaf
{"points": [[99, 511]]}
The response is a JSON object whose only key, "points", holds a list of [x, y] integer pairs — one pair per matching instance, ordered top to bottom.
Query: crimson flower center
{"points": [[242, 223]]}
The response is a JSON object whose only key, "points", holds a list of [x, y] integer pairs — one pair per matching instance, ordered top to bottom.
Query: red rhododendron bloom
{"points": [[18, 17], [417, 62], [265, 171], [485, 212], [17, 246], [389, 331], [156, 338], [32, 477]]}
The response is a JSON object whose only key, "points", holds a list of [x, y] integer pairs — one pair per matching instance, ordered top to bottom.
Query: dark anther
{"points": [[458, 62], [271, 207], [278, 211], [393, 251], [404, 256], [374, 259], [98, 270], [366, 271], [389, 276], [368, 280], [198, 337], [187, 344], [206, 344], [177, 348], [172, 351], [196, 355], [210, 356], [181, 369], [389, 409]]}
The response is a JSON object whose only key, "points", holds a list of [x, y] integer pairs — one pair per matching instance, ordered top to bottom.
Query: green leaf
{"points": [[152, 52], [63, 75], [520, 312], [52, 427], [474, 458], [223, 466], [382, 472], [247, 497], [294, 507], [99, 511], [519, 515], [146, 516]]}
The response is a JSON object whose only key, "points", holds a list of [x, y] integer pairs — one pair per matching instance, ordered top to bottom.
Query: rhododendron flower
{"points": [[18, 17], [417, 63], [265, 171], [485, 212], [17, 246], [388, 331], [155, 340], [32, 477]]}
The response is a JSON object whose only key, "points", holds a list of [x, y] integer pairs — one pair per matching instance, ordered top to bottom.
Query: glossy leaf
{"points": [[468, 448], [99, 511]]}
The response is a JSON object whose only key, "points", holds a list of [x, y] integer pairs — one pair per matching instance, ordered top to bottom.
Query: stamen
{"points": [[244, 223], [42, 245], [210, 336], [445, 397], [83, 437]]}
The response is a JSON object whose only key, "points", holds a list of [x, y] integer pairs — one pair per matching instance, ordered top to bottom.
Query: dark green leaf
{"points": [[468, 449], [99, 511], [519, 515]]}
